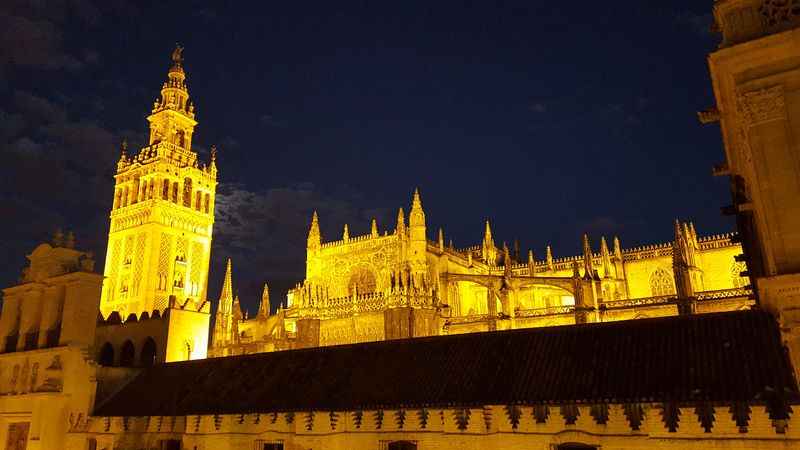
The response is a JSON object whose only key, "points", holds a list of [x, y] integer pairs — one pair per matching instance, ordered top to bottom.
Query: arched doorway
{"points": [[127, 355], [148, 355], [106, 356], [575, 446]]}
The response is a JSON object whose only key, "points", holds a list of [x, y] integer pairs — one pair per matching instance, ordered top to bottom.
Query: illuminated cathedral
{"points": [[397, 284], [397, 340]]}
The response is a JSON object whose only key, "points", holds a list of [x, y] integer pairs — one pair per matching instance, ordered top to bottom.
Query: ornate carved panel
{"points": [[779, 13], [762, 105], [138, 263], [195, 273], [17, 435]]}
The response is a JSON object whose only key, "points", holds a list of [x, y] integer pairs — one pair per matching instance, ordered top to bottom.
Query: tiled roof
{"points": [[724, 357]]}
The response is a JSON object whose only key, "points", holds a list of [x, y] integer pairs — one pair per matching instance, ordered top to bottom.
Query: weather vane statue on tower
{"points": [[177, 54]]}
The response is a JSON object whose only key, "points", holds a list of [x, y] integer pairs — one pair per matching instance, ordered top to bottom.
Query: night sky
{"points": [[550, 118]]}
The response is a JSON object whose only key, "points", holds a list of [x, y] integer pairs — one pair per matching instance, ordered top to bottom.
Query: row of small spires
{"points": [[149, 152], [346, 239]]}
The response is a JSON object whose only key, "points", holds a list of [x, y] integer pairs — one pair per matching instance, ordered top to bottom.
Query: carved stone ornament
{"points": [[779, 12], [762, 105]]}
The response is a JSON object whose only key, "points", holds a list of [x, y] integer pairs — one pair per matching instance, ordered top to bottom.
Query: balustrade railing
{"points": [[724, 294], [642, 301], [363, 303], [548, 311]]}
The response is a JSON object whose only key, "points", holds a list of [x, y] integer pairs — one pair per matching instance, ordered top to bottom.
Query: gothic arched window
{"points": [[165, 190], [175, 192], [187, 192], [207, 203], [362, 281], [661, 283]]}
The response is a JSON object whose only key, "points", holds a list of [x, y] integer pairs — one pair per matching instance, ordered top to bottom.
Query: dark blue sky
{"points": [[550, 118]]}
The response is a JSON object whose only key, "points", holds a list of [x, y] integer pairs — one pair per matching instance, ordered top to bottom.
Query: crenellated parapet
{"points": [[358, 242]]}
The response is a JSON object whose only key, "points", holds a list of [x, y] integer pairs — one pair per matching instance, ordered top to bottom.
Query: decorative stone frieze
{"points": [[762, 105]]}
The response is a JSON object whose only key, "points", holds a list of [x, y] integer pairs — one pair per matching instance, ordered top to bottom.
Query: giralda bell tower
{"points": [[163, 212]]}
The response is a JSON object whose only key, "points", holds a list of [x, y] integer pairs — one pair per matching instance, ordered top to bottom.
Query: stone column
{"points": [[81, 303], [491, 307], [51, 312], [30, 315], [9, 320]]}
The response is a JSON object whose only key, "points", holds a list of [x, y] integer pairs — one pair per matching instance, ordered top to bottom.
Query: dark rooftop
{"points": [[722, 358]]}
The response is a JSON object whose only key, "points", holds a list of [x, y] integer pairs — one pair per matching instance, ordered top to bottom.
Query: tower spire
{"points": [[174, 101], [416, 202], [416, 216], [401, 223], [374, 228], [346, 233], [487, 233], [417, 234], [314, 236], [488, 249], [617, 249], [606, 256], [549, 257], [531, 263], [588, 270], [507, 273], [225, 305], [263, 308]]}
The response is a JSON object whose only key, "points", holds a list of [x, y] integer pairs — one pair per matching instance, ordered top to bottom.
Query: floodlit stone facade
{"points": [[757, 88], [163, 213], [370, 287], [73, 340], [47, 370], [632, 426]]}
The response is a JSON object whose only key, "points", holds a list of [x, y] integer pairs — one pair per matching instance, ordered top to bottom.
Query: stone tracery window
{"points": [[736, 278], [362, 281], [661, 283]]}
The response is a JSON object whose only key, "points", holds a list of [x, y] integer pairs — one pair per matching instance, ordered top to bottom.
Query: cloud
{"points": [[206, 14], [700, 24], [32, 33], [33, 43], [37, 108], [538, 108], [268, 120], [602, 225], [265, 231]]}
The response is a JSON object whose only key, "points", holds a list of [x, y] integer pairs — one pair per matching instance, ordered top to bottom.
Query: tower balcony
{"points": [[746, 20]]}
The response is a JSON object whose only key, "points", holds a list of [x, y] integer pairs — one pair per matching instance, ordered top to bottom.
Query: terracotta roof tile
{"points": [[725, 357]]}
